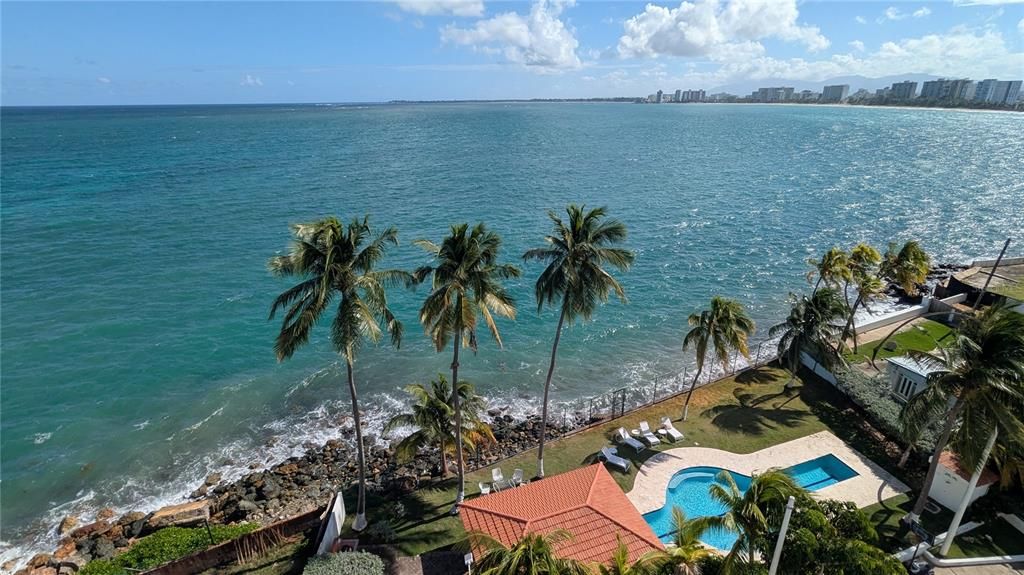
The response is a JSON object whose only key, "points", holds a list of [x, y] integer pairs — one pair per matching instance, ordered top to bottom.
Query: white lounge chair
{"points": [[670, 430], [647, 435], [623, 437], [609, 455], [497, 476], [517, 478], [485, 488]]}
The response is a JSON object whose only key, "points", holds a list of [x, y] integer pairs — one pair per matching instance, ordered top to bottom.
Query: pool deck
{"points": [[871, 485]]}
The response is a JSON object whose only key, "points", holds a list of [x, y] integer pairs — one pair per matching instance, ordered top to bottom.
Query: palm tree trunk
{"points": [[817, 284], [849, 324], [547, 388], [689, 394], [940, 444], [906, 455], [444, 460], [460, 493], [360, 521]]}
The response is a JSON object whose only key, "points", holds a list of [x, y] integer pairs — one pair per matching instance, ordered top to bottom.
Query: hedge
{"points": [[874, 396], [165, 546], [354, 563]]}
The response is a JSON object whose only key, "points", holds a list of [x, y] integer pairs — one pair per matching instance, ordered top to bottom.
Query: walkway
{"points": [[871, 485]]}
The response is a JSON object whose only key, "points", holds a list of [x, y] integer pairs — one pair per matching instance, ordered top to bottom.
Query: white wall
{"points": [[948, 488]]}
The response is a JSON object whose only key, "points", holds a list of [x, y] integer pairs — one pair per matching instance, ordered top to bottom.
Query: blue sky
{"points": [[192, 52]]}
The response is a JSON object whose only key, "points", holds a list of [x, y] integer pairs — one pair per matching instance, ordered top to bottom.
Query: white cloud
{"points": [[985, 2], [441, 7], [922, 12], [892, 13], [861, 20], [705, 28], [539, 39], [857, 45], [103, 80], [251, 81]]}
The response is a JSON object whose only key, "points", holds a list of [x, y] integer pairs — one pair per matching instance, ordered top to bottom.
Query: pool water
{"points": [[688, 489]]}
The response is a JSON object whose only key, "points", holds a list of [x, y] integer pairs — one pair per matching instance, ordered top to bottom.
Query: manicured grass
{"points": [[921, 336], [753, 411], [885, 516], [995, 537]]}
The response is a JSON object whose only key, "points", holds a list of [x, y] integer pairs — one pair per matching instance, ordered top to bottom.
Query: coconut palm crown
{"points": [[577, 252], [906, 267], [725, 326], [809, 328], [534, 554]]}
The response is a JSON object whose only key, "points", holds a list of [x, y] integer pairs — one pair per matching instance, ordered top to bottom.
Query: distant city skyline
{"points": [[264, 52]]}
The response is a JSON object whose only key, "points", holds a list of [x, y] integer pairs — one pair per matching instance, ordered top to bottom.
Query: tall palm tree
{"points": [[337, 262], [863, 266], [906, 267], [832, 269], [575, 278], [465, 283], [726, 326], [810, 328], [977, 389], [433, 415], [754, 513], [686, 551], [534, 554]]}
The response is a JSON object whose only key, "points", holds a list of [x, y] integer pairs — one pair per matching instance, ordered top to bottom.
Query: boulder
{"points": [[212, 479], [248, 506], [183, 515], [130, 517], [67, 524], [91, 530], [66, 549], [104, 549], [40, 560], [44, 571]]}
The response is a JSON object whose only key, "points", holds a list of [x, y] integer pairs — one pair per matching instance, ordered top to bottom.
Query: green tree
{"points": [[336, 262], [863, 266], [906, 267], [832, 269], [575, 277], [465, 284], [726, 326], [810, 328], [975, 390], [432, 414], [754, 513], [686, 553], [534, 554], [620, 563]]}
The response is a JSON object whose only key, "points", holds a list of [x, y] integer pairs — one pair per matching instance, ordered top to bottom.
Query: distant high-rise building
{"points": [[947, 89], [903, 90], [983, 90], [1005, 92], [836, 93], [1013, 93], [779, 94], [679, 96], [659, 97]]}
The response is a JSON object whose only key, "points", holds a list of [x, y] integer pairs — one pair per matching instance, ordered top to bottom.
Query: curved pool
{"points": [[688, 489]]}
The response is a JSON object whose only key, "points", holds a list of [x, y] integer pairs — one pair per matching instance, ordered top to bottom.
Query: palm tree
{"points": [[336, 261], [863, 264], [907, 267], [833, 268], [575, 278], [465, 281], [726, 326], [810, 328], [976, 390], [432, 415], [754, 513], [686, 551], [534, 554], [620, 563]]}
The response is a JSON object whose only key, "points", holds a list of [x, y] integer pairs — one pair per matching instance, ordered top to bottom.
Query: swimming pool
{"points": [[688, 489]]}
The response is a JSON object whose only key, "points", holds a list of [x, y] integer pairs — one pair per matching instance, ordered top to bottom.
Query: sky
{"points": [[146, 52]]}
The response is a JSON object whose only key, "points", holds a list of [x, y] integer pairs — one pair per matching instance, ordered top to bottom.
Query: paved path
{"points": [[871, 485]]}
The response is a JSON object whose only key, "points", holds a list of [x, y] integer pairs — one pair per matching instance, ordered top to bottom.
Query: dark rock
{"points": [[91, 530], [103, 549], [40, 560]]}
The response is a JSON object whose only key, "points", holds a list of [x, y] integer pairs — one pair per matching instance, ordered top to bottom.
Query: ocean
{"points": [[136, 351]]}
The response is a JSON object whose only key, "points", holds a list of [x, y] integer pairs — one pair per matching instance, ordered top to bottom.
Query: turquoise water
{"points": [[136, 355], [688, 489]]}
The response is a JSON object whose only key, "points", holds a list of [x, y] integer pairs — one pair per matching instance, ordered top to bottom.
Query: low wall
{"points": [[990, 263], [927, 305], [817, 368]]}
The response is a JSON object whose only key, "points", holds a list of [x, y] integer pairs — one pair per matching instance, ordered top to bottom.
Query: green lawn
{"points": [[921, 336], [743, 414], [885, 516], [995, 537]]}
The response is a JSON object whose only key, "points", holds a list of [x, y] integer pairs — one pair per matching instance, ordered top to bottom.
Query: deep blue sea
{"points": [[136, 352]]}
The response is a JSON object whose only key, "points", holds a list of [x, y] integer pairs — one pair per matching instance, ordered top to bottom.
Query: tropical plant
{"points": [[338, 262], [863, 267], [906, 267], [832, 269], [575, 278], [465, 282], [726, 326], [809, 328], [976, 389], [433, 417], [754, 513], [686, 553], [534, 554], [352, 563], [620, 563]]}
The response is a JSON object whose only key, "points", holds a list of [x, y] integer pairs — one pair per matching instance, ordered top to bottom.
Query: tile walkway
{"points": [[871, 485]]}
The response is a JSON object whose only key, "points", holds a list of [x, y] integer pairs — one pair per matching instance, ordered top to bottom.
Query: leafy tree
{"points": [[337, 262], [907, 267], [832, 269], [575, 278], [465, 283], [726, 326], [810, 328], [977, 389], [433, 417], [534, 554], [685, 555]]}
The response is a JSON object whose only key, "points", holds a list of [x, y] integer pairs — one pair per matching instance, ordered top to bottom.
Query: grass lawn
{"points": [[920, 336], [743, 414], [885, 516], [995, 537]]}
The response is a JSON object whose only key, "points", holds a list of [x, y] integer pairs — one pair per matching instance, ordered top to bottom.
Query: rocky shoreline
{"points": [[291, 487]]}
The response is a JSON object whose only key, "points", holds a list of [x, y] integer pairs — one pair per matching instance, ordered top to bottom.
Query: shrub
{"points": [[875, 397], [381, 532], [166, 545], [354, 563], [102, 567]]}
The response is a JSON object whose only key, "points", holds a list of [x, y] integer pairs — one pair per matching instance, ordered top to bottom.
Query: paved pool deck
{"points": [[871, 485]]}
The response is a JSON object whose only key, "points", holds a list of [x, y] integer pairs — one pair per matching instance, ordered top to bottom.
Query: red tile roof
{"points": [[951, 461], [586, 502]]}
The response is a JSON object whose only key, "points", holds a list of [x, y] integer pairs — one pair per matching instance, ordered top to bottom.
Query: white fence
{"points": [[927, 304]]}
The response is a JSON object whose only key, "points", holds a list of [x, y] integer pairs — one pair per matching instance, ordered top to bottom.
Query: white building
{"points": [[837, 93], [907, 376], [951, 480]]}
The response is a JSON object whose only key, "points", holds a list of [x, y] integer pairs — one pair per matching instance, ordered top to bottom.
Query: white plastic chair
{"points": [[670, 430], [648, 437], [625, 439], [517, 478], [485, 488]]}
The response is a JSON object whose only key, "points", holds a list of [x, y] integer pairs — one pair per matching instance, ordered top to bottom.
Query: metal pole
{"points": [[990, 274], [782, 536]]}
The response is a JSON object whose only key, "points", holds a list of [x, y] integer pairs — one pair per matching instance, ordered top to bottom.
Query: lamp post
{"points": [[782, 536]]}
